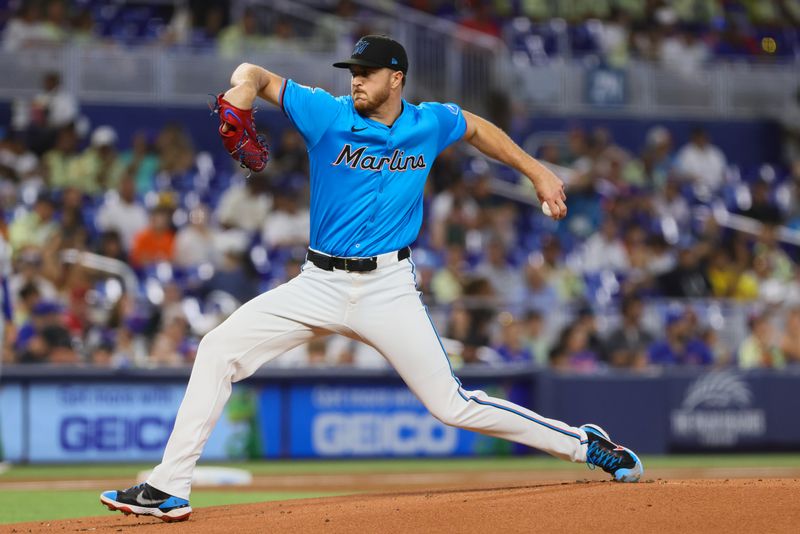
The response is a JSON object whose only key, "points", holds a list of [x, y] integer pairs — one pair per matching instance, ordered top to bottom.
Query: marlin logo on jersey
{"points": [[398, 161]]}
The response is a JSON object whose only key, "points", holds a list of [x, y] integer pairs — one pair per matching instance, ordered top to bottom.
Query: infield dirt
{"points": [[653, 505]]}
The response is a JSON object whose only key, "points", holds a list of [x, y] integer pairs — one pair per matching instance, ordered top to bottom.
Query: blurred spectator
{"points": [[213, 22], [56, 24], [25, 28], [84, 28], [178, 30], [283, 36], [242, 37], [614, 37], [684, 53], [51, 110], [789, 119], [175, 151], [290, 157], [658, 159], [62, 162], [141, 162], [702, 163], [18, 164], [99, 168], [446, 170], [245, 205], [672, 208], [762, 208], [122, 213], [453, 213], [288, 223], [36, 227], [74, 227], [155, 242], [197, 243], [110, 245], [769, 248], [604, 250], [28, 270], [234, 276], [504, 277], [687, 278], [729, 279], [564, 280], [448, 282], [539, 294], [27, 298], [170, 307], [481, 307], [586, 320], [533, 336], [45, 339], [790, 339], [679, 346], [626, 347], [762, 347], [171, 348], [512, 348], [130, 349], [572, 352]]}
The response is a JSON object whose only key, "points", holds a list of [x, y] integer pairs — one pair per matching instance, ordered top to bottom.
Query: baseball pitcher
{"points": [[370, 153]]}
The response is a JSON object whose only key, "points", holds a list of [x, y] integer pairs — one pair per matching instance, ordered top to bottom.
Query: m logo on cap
{"points": [[360, 47]]}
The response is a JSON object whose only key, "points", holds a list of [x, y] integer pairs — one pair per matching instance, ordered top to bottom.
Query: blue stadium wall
{"points": [[111, 417]]}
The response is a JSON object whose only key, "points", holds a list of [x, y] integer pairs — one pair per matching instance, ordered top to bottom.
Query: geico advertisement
{"points": [[372, 421], [10, 422], [104, 422]]}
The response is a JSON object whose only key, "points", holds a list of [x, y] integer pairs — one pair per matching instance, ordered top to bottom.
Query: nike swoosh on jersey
{"points": [[354, 129], [147, 502]]}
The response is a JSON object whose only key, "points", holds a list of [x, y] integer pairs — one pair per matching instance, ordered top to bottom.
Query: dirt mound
{"points": [[735, 505]]}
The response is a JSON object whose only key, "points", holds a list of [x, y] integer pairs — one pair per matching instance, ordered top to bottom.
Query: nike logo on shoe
{"points": [[354, 129], [147, 502]]}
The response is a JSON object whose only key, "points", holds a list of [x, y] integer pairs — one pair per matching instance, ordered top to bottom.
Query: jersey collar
{"points": [[380, 125]]}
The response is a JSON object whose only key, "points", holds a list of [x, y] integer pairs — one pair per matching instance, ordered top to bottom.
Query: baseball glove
{"points": [[240, 139]]}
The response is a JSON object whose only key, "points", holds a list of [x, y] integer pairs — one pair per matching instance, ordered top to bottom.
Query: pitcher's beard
{"points": [[370, 105]]}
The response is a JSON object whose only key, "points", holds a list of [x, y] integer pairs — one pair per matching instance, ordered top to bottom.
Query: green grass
{"points": [[293, 467], [36, 505]]}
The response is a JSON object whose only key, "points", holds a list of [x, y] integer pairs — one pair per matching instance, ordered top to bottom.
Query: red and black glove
{"points": [[240, 138]]}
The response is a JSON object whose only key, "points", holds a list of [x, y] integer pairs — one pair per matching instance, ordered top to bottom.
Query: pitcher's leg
{"points": [[399, 327], [254, 334]]}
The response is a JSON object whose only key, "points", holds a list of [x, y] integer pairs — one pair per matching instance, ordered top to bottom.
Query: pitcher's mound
{"points": [[729, 506]]}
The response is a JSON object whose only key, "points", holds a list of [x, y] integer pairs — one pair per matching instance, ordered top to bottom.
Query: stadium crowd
{"points": [[679, 33], [125, 254]]}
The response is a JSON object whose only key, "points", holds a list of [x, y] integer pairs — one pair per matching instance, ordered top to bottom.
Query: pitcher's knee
{"points": [[212, 346], [447, 414]]}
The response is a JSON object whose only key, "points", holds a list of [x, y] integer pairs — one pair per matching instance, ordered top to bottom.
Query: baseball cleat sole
{"points": [[178, 514]]}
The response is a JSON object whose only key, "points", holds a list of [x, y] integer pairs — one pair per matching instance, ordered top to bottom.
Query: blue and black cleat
{"points": [[620, 462], [144, 499]]}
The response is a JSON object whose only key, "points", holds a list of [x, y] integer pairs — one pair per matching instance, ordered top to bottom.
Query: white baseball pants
{"points": [[381, 308]]}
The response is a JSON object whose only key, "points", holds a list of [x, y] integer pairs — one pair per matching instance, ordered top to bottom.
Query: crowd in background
{"points": [[679, 33], [179, 238]]}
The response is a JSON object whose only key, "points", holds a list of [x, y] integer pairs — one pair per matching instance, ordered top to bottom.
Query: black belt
{"points": [[359, 265]]}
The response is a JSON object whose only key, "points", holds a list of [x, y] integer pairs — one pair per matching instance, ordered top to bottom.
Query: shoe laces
{"points": [[598, 454]]}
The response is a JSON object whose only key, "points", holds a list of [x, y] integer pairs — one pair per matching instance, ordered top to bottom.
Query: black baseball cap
{"points": [[377, 51]]}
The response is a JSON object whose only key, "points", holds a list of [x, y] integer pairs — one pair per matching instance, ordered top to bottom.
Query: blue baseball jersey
{"points": [[367, 178]]}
